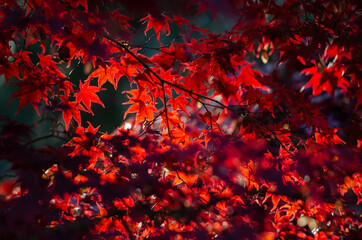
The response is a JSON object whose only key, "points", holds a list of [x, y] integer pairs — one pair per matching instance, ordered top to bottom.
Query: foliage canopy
{"points": [[251, 133]]}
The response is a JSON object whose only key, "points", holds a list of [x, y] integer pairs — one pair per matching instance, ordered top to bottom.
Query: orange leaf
{"points": [[105, 74], [183, 178], [267, 195], [275, 200], [102, 211], [276, 216]]}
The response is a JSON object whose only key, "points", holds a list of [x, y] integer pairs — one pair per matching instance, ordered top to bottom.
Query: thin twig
{"points": [[157, 76], [190, 92], [208, 111], [151, 122], [45, 137]]}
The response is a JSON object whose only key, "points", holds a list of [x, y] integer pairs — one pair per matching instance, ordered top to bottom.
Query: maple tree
{"points": [[251, 133]]}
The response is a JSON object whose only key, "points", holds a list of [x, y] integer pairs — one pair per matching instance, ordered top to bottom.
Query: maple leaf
{"points": [[75, 3], [180, 21], [157, 22], [118, 26], [168, 57], [126, 68], [9, 70], [105, 73], [249, 77], [325, 79], [30, 92], [87, 95], [27, 96], [180, 102], [141, 104], [70, 109], [144, 111], [178, 135], [84, 141], [181, 177], [203, 181], [275, 200], [124, 203], [102, 211]]}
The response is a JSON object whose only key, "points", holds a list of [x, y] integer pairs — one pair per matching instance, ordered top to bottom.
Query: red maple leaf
{"points": [[180, 21], [157, 22], [124, 68], [104, 74], [250, 77], [325, 79], [30, 92], [87, 95], [180, 102], [141, 104], [70, 109]]}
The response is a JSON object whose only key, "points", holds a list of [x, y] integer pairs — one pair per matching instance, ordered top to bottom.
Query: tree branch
{"points": [[191, 93]]}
